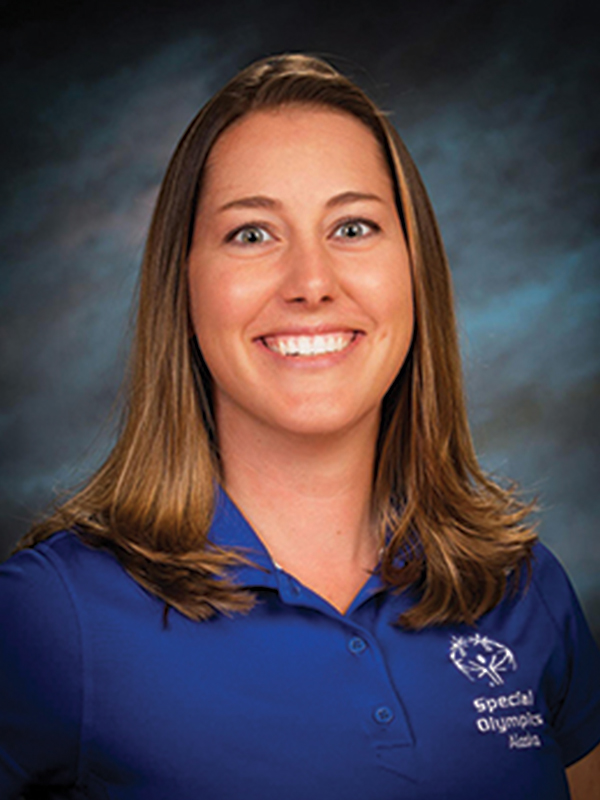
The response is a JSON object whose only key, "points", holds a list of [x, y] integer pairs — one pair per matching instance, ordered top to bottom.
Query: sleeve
{"points": [[40, 676], [576, 717]]}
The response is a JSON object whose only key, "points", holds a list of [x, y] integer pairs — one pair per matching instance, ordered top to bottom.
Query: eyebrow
{"points": [[261, 201]]}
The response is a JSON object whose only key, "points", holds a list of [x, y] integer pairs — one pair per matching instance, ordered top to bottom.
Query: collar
{"points": [[230, 529]]}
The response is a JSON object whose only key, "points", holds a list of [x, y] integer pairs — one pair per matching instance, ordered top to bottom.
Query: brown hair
{"points": [[459, 533]]}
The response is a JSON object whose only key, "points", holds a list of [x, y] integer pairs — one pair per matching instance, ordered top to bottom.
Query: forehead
{"points": [[295, 143]]}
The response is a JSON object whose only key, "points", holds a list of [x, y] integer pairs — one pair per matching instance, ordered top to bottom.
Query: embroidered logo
{"points": [[478, 658]]}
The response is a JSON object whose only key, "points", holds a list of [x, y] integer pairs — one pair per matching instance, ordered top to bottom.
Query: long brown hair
{"points": [[151, 503]]}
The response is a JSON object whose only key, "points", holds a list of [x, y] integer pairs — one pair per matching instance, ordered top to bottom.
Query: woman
{"points": [[291, 578]]}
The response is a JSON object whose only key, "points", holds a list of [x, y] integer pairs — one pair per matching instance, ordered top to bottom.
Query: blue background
{"points": [[496, 102]]}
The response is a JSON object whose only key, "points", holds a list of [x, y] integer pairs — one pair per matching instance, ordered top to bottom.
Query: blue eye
{"points": [[355, 229], [249, 235]]}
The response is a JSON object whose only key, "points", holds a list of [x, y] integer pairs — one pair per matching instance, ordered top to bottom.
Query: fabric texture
{"points": [[98, 699]]}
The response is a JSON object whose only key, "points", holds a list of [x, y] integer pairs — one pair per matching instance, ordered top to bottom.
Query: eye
{"points": [[355, 229], [249, 235]]}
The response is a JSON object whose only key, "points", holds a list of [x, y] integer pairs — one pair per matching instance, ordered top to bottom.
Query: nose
{"points": [[310, 277]]}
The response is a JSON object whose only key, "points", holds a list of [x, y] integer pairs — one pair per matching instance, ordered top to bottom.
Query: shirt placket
{"points": [[382, 714]]}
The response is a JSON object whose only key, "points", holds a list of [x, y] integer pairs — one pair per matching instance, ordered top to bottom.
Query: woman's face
{"points": [[300, 286]]}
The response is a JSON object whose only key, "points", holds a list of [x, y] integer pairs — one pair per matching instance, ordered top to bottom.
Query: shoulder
{"points": [[61, 548], [50, 563], [545, 564], [546, 569], [37, 574], [60, 578], [552, 587], [57, 599], [38, 602], [548, 602], [60, 604], [567, 635], [41, 668]]}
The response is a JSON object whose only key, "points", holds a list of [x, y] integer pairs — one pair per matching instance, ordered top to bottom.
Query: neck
{"points": [[308, 498]]}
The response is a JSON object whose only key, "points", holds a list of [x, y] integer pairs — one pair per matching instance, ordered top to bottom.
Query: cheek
{"points": [[233, 294], [389, 294], [401, 296], [213, 301], [223, 307], [396, 308], [206, 311]]}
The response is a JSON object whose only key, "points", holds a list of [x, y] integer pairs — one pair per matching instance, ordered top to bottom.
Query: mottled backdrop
{"points": [[496, 101]]}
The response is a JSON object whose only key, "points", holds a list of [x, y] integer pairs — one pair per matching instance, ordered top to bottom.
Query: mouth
{"points": [[305, 346]]}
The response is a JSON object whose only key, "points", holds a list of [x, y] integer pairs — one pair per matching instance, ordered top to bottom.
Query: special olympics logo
{"points": [[478, 657]]}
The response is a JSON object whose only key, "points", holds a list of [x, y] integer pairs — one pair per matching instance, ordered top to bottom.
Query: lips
{"points": [[310, 345]]}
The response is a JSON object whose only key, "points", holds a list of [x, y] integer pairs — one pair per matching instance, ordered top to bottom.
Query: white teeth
{"points": [[309, 345]]}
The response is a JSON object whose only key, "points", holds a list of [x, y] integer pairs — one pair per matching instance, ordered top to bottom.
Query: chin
{"points": [[323, 422]]}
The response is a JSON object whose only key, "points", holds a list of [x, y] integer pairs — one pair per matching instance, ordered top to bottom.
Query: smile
{"points": [[307, 346]]}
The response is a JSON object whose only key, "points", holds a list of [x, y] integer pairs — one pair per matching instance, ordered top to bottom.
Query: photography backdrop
{"points": [[496, 101]]}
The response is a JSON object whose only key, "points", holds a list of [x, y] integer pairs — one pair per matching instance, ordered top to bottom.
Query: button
{"points": [[357, 645], [383, 715]]}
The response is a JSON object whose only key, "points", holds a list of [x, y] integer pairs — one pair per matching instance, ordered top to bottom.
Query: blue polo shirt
{"points": [[293, 700]]}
